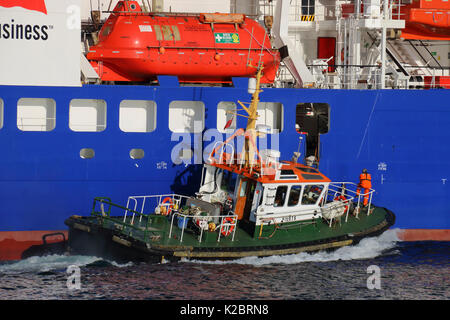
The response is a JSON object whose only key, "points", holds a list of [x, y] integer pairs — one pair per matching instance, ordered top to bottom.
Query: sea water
{"points": [[377, 268]]}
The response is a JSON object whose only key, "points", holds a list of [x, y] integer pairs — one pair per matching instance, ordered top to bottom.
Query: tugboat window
{"points": [[243, 188], [311, 194], [294, 195], [280, 196]]}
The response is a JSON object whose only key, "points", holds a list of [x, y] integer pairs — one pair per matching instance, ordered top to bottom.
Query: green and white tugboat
{"points": [[248, 204]]}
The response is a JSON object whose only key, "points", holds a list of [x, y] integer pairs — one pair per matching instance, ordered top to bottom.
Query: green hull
{"points": [[148, 239]]}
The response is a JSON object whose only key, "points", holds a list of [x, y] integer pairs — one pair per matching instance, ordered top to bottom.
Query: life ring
{"points": [[343, 199], [169, 207], [227, 231]]}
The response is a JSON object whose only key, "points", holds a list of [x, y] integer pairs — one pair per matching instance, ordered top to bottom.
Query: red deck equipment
{"points": [[425, 19], [208, 47]]}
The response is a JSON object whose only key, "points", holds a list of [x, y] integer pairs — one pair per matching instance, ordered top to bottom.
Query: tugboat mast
{"points": [[248, 152]]}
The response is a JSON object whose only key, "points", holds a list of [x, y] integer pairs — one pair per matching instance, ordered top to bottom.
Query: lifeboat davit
{"points": [[425, 19], [210, 47]]}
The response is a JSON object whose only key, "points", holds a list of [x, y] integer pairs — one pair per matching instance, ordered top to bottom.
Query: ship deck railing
{"points": [[301, 12], [352, 197], [142, 204], [113, 216], [129, 220], [132, 222], [202, 225]]}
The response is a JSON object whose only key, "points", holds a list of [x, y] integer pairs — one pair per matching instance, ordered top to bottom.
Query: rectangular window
{"points": [[308, 7], [158, 32], [176, 33], [168, 36], [36, 114], [270, 114], [87, 115], [137, 116], [186, 116], [224, 118], [313, 119], [288, 174], [228, 181], [243, 188], [311, 194], [294, 195], [280, 196]]}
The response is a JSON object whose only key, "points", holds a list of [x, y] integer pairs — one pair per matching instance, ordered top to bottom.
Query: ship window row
{"points": [[89, 115]]}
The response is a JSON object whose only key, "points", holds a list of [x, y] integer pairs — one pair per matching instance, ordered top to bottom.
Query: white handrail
{"points": [[345, 186], [222, 224]]}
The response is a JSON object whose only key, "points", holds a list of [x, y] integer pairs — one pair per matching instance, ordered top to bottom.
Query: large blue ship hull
{"points": [[400, 136]]}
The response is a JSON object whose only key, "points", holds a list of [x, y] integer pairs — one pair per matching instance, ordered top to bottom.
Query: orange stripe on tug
{"points": [[208, 47]]}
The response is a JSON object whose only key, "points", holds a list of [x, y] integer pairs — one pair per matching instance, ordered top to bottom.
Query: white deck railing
{"points": [[350, 191], [172, 203], [223, 225]]}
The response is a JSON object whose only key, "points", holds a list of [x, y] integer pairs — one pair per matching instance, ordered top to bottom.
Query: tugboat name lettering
{"points": [[288, 219]]}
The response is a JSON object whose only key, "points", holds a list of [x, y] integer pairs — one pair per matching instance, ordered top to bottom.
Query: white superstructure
{"points": [[41, 48]]}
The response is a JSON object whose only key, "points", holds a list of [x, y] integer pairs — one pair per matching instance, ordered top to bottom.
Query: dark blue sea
{"points": [[381, 268]]}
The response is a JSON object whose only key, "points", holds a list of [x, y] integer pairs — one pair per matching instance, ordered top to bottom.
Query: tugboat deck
{"points": [[152, 232]]}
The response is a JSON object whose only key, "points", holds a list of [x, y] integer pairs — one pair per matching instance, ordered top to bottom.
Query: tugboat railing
{"points": [[350, 190], [176, 200], [136, 206], [106, 215], [223, 224]]}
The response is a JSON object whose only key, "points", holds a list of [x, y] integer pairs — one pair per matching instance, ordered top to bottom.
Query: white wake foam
{"points": [[366, 249], [52, 262]]}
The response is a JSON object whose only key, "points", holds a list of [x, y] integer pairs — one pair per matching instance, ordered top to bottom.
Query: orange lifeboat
{"points": [[425, 19], [209, 48]]}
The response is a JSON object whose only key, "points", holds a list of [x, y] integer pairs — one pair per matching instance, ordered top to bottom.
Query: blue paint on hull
{"points": [[43, 180]]}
